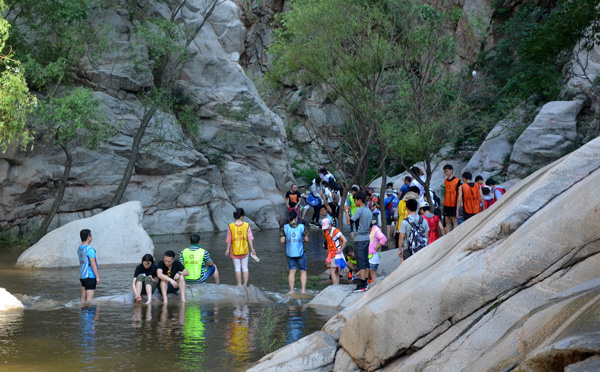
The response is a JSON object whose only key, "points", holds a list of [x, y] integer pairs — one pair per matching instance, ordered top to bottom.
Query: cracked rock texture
{"points": [[235, 158], [514, 288]]}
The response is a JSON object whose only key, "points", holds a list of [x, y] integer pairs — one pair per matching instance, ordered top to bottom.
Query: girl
{"points": [[239, 236], [377, 239], [335, 250], [145, 276]]}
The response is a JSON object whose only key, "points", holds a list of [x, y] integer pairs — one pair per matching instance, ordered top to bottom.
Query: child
{"points": [[488, 198], [433, 221], [377, 240], [335, 250], [351, 263]]}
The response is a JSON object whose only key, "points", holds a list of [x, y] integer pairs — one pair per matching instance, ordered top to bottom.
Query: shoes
{"points": [[362, 286]]}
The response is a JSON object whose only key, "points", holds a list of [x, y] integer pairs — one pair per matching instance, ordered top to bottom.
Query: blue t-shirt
{"points": [[403, 191], [85, 252]]}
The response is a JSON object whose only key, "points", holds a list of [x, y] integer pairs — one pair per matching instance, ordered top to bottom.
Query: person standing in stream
{"points": [[239, 237]]}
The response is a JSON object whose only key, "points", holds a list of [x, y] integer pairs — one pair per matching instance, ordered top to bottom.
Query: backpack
{"points": [[499, 188], [335, 197], [436, 199], [391, 207], [417, 238]]}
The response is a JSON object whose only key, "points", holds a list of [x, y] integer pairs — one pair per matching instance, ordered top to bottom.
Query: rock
{"points": [[585, 65], [552, 134], [117, 234], [389, 262], [513, 288], [222, 294], [340, 295], [8, 302], [311, 353]]}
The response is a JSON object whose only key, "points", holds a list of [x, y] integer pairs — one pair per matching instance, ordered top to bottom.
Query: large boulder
{"points": [[552, 134], [117, 235], [513, 288], [8, 302]]}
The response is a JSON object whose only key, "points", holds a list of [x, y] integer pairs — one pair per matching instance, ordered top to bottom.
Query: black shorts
{"points": [[450, 211], [466, 215], [389, 220], [361, 252], [88, 283]]}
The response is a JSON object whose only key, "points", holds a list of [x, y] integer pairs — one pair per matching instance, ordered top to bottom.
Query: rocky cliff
{"points": [[241, 160], [515, 288]]}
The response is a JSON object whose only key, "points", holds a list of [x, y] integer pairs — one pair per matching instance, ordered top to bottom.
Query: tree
{"points": [[168, 41], [15, 100]]}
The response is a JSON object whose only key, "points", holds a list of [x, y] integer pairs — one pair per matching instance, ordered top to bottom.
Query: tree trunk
{"points": [[135, 149], [61, 191]]}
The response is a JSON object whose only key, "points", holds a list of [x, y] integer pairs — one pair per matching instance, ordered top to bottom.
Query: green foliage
{"points": [[15, 100], [74, 118], [307, 174], [314, 282], [265, 326]]}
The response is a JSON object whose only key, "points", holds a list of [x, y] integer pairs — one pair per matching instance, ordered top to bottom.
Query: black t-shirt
{"points": [[294, 198], [175, 268], [140, 269]]}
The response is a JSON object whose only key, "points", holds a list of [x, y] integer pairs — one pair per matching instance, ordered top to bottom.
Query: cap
{"points": [[389, 192], [424, 204], [325, 223]]}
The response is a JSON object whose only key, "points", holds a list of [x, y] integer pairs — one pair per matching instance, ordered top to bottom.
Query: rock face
{"points": [[552, 134], [236, 157], [117, 235], [514, 288], [8, 302]]}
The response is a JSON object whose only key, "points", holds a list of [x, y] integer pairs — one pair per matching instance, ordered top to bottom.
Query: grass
{"points": [[21, 240], [268, 336]]}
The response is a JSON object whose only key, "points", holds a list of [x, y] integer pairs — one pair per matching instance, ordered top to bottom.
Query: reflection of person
{"points": [[239, 236], [293, 236], [198, 262], [88, 266], [172, 276], [145, 278], [87, 327], [238, 334], [193, 347]]}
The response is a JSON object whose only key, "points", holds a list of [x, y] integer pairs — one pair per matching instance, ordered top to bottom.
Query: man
{"points": [[419, 173], [451, 184], [404, 187], [497, 190], [470, 197], [292, 198], [390, 204], [350, 208], [323, 213], [362, 218], [412, 221], [294, 236], [198, 263], [88, 267], [172, 275]]}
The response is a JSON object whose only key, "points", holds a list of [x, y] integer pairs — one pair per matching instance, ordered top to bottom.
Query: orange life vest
{"points": [[451, 192], [471, 198]]}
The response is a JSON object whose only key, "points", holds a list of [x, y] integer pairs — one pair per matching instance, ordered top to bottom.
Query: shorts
{"points": [[450, 211], [466, 215], [389, 220], [361, 252], [297, 262], [332, 264], [374, 267], [145, 280], [88, 283], [171, 289]]}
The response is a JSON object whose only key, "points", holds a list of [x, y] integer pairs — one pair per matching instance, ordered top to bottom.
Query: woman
{"points": [[239, 236], [377, 239], [336, 242], [145, 276]]}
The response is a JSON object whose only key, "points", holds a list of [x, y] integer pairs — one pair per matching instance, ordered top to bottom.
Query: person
{"points": [[419, 173], [325, 175], [479, 180], [451, 184], [390, 186], [404, 187], [497, 190], [326, 196], [488, 196], [470, 197], [292, 199], [315, 200], [390, 204], [303, 206], [350, 208], [402, 212], [323, 213], [362, 218], [413, 221], [436, 229], [294, 236], [239, 237], [376, 240], [336, 242], [198, 262], [351, 263], [88, 266], [172, 275], [145, 277]]}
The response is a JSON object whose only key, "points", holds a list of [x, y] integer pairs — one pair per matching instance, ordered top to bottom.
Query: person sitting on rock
{"points": [[470, 197], [294, 236], [198, 262], [351, 262], [172, 275], [145, 277]]}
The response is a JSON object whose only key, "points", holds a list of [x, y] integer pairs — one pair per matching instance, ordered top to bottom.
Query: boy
{"points": [[451, 185], [470, 197], [294, 236], [88, 267]]}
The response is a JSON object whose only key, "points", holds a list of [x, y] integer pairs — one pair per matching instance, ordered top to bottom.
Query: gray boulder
{"points": [[552, 134], [117, 235], [8, 302]]}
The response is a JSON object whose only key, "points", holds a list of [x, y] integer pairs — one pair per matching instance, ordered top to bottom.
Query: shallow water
{"points": [[55, 334]]}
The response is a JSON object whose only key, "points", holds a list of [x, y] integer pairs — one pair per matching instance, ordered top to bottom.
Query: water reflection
{"points": [[88, 321], [295, 323], [169, 327], [239, 336], [193, 347]]}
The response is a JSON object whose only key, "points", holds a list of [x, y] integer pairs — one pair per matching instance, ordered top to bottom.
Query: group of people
{"points": [[195, 264]]}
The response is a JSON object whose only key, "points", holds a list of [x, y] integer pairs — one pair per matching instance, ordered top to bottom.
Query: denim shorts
{"points": [[297, 262], [374, 267]]}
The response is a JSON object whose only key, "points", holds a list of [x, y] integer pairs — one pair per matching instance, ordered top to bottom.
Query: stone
{"points": [[585, 67], [552, 135], [117, 235], [389, 262], [339, 295], [8, 302], [311, 353], [344, 363]]}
